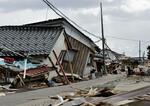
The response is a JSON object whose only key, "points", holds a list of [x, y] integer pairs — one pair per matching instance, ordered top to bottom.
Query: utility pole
{"points": [[103, 39], [139, 51], [143, 59]]}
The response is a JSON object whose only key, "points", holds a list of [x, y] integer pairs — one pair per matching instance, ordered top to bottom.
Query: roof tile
{"points": [[34, 40]]}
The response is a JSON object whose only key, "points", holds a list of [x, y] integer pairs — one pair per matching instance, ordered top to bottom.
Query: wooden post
{"points": [[103, 38], [70, 64], [61, 67], [25, 68], [56, 70], [6, 76], [21, 80]]}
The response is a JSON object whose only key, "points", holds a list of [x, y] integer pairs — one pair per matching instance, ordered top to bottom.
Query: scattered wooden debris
{"points": [[71, 77], [94, 92], [104, 93], [79, 98], [61, 101]]}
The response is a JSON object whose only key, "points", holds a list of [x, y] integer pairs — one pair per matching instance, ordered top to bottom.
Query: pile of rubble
{"points": [[82, 97]]}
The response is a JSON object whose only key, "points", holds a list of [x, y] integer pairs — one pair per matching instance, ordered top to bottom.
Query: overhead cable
{"points": [[59, 13]]}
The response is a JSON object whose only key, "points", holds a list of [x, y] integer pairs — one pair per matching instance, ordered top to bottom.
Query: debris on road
{"points": [[80, 97]]}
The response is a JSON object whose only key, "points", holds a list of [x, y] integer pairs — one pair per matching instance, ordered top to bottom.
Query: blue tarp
{"points": [[20, 64]]}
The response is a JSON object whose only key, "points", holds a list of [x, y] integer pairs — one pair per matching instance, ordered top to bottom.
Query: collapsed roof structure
{"points": [[73, 48]]}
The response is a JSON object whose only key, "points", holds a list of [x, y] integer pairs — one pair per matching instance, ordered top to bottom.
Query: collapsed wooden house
{"points": [[75, 51]]}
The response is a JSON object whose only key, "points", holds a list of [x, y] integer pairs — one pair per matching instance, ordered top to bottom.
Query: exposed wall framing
{"points": [[79, 62]]}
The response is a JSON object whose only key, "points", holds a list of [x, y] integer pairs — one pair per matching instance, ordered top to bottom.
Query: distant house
{"points": [[39, 40], [113, 56]]}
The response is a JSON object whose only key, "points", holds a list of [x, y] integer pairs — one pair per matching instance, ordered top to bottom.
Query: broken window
{"points": [[69, 56], [89, 62]]}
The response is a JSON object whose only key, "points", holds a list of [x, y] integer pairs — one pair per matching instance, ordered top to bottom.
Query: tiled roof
{"points": [[60, 22], [28, 39], [33, 72]]}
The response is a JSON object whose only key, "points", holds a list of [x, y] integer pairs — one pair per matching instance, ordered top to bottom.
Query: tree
{"points": [[148, 53]]}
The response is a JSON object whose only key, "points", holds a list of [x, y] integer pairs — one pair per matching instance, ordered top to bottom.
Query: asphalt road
{"points": [[128, 95], [27, 98]]}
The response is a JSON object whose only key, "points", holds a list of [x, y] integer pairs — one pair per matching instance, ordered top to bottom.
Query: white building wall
{"points": [[77, 35], [59, 45]]}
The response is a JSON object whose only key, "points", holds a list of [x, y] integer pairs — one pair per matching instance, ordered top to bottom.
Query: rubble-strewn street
{"points": [[74, 53], [82, 92], [43, 95]]}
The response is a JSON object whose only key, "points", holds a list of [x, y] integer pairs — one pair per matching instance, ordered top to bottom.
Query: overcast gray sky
{"points": [[128, 19]]}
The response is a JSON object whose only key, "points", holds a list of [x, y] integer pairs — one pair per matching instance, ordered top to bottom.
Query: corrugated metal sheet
{"points": [[33, 72]]}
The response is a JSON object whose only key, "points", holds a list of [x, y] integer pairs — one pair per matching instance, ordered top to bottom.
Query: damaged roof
{"points": [[57, 22], [63, 22], [37, 38], [28, 39]]}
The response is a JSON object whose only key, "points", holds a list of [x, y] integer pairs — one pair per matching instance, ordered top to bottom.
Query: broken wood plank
{"points": [[61, 68], [56, 70]]}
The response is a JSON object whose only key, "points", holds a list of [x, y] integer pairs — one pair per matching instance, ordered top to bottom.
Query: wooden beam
{"points": [[61, 68], [56, 70]]}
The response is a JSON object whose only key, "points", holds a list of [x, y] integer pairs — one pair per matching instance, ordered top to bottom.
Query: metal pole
{"points": [[103, 39], [139, 51], [143, 57]]}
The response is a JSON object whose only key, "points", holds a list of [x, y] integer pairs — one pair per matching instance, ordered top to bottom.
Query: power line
{"points": [[59, 13], [120, 38], [97, 41]]}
